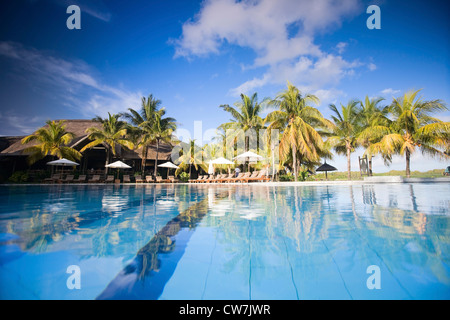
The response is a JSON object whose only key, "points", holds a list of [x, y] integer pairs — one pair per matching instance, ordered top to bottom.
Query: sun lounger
{"points": [[253, 175], [256, 176], [240, 177], [262, 177], [54, 178], [69, 178], [81, 178], [95, 178], [109, 178], [126, 178], [205, 178], [217, 178], [225, 178], [139, 179], [149, 179], [160, 179], [173, 179], [199, 179], [208, 179], [195, 180]]}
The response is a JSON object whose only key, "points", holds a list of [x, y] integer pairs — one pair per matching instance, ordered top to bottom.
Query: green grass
{"points": [[338, 175]]}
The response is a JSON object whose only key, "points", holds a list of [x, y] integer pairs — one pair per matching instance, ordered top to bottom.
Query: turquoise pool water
{"points": [[225, 242]]}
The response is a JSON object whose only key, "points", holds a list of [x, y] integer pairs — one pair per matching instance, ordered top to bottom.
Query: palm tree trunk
{"points": [[246, 148], [144, 159], [156, 160], [107, 161], [294, 161], [408, 163], [349, 165], [370, 166]]}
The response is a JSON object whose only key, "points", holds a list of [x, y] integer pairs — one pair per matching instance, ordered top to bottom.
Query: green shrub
{"points": [[19, 176], [184, 176], [286, 177]]}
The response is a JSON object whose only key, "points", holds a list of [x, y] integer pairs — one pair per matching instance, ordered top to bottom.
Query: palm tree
{"points": [[371, 115], [245, 116], [298, 121], [142, 125], [412, 126], [160, 130], [345, 130], [111, 134], [51, 140], [194, 155]]}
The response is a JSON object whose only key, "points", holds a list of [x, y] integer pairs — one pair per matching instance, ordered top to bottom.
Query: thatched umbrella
{"points": [[326, 167]]}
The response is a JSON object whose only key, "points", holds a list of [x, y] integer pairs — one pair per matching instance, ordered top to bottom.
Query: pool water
{"points": [[382, 241]]}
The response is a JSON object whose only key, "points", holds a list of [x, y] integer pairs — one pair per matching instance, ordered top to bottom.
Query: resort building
{"points": [[14, 158]]}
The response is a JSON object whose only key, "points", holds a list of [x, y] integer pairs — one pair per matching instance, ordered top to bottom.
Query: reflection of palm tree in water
{"points": [[413, 198], [138, 280]]}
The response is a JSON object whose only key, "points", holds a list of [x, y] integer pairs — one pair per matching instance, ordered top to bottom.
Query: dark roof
{"points": [[78, 128], [7, 141], [164, 152], [326, 167]]}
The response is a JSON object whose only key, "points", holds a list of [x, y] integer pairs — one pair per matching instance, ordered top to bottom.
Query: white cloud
{"points": [[262, 26], [265, 26], [341, 46], [372, 66], [320, 74], [74, 81], [250, 85], [389, 91], [328, 96], [20, 124]]}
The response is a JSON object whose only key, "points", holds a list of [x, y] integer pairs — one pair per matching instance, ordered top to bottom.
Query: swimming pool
{"points": [[381, 241]]}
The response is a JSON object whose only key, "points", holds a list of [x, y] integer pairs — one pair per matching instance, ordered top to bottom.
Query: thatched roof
{"points": [[78, 128], [7, 141], [164, 153], [326, 167]]}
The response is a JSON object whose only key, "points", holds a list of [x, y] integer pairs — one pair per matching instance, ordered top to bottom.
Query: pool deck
{"points": [[367, 180]]}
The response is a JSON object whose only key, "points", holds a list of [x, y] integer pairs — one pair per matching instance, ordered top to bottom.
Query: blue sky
{"points": [[197, 55]]}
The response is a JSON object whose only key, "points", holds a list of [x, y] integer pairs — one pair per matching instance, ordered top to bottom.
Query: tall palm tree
{"points": [[245, 115], [371, 115], [297, 120], [142, 125], [412, 126], [160, 130], [345, 130], [111, 134], [51, 140], [193, 156]]}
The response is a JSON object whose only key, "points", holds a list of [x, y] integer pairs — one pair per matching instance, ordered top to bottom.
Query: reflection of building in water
{"points": [[369, 195]]}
